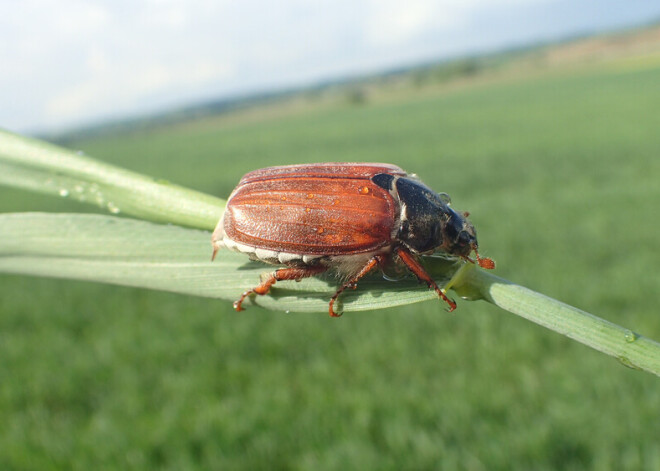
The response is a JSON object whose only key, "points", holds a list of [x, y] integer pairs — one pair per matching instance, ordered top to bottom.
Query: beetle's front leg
{"points": [[411, 262], [281, 274]]}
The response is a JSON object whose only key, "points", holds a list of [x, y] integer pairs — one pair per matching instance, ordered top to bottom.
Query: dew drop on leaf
{"points": [[113, 208], [630, 336]]}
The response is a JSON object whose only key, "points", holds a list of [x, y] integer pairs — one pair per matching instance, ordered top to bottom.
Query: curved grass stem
{"points": [[38, 166], [630, 348]]}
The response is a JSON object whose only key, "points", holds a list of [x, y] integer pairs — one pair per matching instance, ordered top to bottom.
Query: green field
{"points": [[561, 174]]}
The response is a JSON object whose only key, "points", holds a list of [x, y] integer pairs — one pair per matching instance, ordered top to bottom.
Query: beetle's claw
{"points": [[450, 302], [238, 304], [452, 305], [238, 307], [331, 309]]}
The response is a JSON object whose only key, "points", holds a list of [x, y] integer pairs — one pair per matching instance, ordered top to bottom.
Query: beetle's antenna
{"points": [[483, 262]]}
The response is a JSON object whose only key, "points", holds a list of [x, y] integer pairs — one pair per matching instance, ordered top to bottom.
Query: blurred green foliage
{"points": [[560, 174]]}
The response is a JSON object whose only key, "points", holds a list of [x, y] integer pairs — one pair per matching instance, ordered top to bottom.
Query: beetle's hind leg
{"points": [[281, 274], [352, 281]]}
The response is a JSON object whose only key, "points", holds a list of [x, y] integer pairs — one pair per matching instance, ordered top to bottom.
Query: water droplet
{"points": [[364, 190], [64, 192], [310, 195], [445, 198], [113, 208], [307, 210], [287, 312], [630, 336], [625, 361]]}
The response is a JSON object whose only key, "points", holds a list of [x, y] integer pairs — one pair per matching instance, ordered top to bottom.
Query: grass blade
{"points": [[38, 166], [141, 254], [630, 348]]}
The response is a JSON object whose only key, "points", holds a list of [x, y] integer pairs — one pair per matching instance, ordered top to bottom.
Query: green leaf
{"points": [[38, 166], [141, 254]]}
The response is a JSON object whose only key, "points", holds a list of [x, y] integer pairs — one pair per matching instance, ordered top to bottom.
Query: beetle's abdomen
{"points": [[312, 215]]}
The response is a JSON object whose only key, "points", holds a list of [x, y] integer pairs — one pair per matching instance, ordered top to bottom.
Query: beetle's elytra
{"points": [[350, 217]]}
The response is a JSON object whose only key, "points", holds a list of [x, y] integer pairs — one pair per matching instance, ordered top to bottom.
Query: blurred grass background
{"points": [[561, 175]]}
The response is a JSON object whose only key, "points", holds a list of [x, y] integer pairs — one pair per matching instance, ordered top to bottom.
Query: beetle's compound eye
{"points": [[465, 239]]}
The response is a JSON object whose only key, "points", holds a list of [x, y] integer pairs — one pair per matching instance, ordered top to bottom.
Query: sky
{"points": [[73, 63]]}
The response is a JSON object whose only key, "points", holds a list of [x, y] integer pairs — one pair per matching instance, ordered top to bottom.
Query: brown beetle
{"points": [[350, 217]]}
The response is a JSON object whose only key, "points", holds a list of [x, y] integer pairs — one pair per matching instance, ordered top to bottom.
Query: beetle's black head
{"points": [[428, 224], [458, 234]]}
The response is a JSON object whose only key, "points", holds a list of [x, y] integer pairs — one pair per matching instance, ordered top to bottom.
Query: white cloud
{"points": [[79, 19], [394, 22], [71, 60], [66, 62], [124, 89]]}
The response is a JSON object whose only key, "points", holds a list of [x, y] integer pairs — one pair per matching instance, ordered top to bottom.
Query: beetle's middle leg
{"points": [[281, 274], [352, 282]]}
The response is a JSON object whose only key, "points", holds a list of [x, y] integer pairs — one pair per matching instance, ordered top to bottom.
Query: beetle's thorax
{"points": [[427, 223]]}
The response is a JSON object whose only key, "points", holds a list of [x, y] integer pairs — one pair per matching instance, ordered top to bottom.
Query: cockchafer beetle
{"points": [[350, 217]]}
